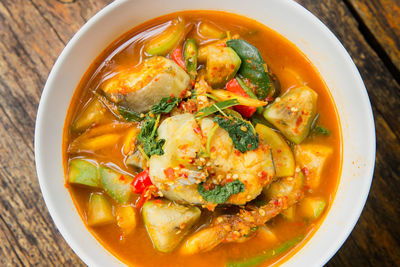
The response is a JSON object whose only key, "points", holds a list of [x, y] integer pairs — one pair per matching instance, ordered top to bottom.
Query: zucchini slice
{"points": [[222, 65], [93, 113], [293, 113], [282, 155], [83, 172], [116, 184], [312, 207], [99, 210], [168, 222]]}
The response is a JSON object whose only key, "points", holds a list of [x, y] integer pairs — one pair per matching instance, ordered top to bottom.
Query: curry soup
{"points": [[123, 129]]}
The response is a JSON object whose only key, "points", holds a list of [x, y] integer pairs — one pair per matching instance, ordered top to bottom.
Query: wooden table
{"points": [[32, 35]]}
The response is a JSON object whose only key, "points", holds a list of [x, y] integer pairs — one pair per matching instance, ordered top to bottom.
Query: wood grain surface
{"points": [[33, 34]]}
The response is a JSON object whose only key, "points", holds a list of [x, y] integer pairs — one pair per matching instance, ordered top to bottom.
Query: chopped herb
{"points": [[165, 105], [204, 112], [128, 114], [319, 130], [148, 132], [241, 132], [148, 135], [220, 194]]}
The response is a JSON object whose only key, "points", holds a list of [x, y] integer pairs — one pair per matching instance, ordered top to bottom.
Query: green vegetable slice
{"points": [[165, 42], [190, 57], [222, 65], [252, 66], [204, 112], [93, 113], [293, 113], [241, 132], [283, 157], [83, 172], [115, 184], [220, 194], [312, 207], [99, 210], [168, 222], [267, 255]]}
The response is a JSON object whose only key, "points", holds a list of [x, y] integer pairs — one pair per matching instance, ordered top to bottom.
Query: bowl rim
{"points": [[39, 142]]}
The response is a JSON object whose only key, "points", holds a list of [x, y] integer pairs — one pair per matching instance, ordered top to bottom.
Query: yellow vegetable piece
{"points": [[210, 31], [166, 41], [226, 95], [129, 141], [95, 143], [281, 153], [312, 158], [312, 207], [99, 210], [289, 213], [126, 218], [267, 234]]}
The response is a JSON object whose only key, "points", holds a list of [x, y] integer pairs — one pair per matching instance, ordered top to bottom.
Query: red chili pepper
{"points": [[177, 57], [234, 87], [141, 182], [147, 194]]}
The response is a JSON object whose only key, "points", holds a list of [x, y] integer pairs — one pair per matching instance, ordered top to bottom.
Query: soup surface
{"points": [[202, 137]]}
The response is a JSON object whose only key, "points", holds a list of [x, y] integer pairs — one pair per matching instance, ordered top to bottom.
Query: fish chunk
{"points": [[140, 88], [184, 165]]}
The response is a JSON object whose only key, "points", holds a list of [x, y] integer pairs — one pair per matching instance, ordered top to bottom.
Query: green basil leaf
{"points": [[220, 193]]}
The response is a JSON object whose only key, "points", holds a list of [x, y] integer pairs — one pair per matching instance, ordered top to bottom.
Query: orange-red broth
{"points": [[284, 59]]}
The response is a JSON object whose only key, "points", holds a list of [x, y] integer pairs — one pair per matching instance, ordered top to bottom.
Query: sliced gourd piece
{"points": [[166, 41], [222, 65], [93, 113], [293, 113], [281, 153], [313, 158], [83, 172], [116, 184], [286, 186], [312, 207], [99, 210], [289, 213], [126, 218], [167, 222]]}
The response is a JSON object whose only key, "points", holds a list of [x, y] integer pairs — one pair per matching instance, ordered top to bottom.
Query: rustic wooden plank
{"points": [[382, 18], [33, 33], [29, 45], [383, 89], [375, 240]]}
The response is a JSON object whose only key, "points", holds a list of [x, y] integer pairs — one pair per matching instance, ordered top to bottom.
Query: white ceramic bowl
{"points": [[284, 16]]}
